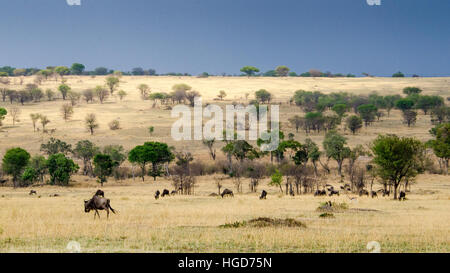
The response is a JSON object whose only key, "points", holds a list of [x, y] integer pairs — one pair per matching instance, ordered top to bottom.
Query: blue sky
{"points": [[217, 36]]}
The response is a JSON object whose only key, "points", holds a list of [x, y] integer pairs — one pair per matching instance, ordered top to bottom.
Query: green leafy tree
{"points": [[77, 68], [249, 70], [282, 70], [398, 75], [112, 83], [64, 89], [412, 91], [263, 96], [390, 102], [426, 103], [404, 104], [340, 109], [3, 113], [368, 113], [354, 123], [334, 145], [441, 145], [56, 146], [86, 150], [156, 153], [313, 153], [398, 159], [14, 162], [104, 166], [61, 169], [276, 179]]}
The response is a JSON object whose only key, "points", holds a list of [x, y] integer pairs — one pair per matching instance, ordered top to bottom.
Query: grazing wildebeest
{"points": [[32, 192], [165, 192], [173, 192], [227, 192], [333, 192], [363, 192], [384, 192], [99, 193], [157, 193], [320, 193], [374, 194], [54, 195], [263, 195], [402, 196], [98, 203]]}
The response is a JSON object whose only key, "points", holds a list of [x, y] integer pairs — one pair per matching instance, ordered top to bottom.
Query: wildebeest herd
{"points": [[99, 202]]}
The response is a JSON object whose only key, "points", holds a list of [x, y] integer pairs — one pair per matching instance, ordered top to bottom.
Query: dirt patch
{"points": [[266, 222]]}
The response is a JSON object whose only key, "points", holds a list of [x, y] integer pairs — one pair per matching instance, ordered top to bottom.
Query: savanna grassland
{"points": [[41, 223]]}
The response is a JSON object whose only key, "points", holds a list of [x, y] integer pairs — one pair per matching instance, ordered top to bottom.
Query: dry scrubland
{"points": [[191, 223]]}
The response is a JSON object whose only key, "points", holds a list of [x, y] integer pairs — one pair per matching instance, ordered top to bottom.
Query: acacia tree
{"points": [[249, 70], [282, 70], [112, 83], [64, 89], [144, 89], [101, 93], [263, 96], [66, 111], [3, 113], [367, 113], [15, 114], [91, 123], [354, 123], [210, 144], [334, 145], [441, 145], [56, 146], [86, 150], [151, 152], [398, 159], [14, 162], [104, 166], [61, 169]]}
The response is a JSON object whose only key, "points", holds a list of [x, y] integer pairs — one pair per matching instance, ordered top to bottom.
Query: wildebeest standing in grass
{"points": [[33, 192], [165, 192], [227, 192], [157, 193], [374, 194], [263, 195], [402, 196], [97, 203]]}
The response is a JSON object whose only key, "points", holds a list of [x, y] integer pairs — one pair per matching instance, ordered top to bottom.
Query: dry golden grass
{"points": [[191, 223]]}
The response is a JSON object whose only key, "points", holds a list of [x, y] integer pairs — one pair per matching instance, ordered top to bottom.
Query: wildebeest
{"points": [[346, 187], [32, 192], [165, 192], [173, 192], [227, 192], [291, 192], [333, 192], [363, 192], [384, 192], [99, 193], [157, 193], [320, 193], [374, 194], [54, 195], [263, 195], [402, 196], [98, 203]]}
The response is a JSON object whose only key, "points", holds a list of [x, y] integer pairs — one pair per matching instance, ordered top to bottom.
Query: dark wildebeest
{"points": [[32, 192], [165, 192], [173, 192], [227, 192], [291, 192], [334, 192], [363, 192], [385, 192], [99, 193], [157, 193], [320, 193], [374, 194], [263, 195], [402, 196], [98, 203]]}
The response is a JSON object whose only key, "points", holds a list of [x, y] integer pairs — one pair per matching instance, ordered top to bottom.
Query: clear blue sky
{"points": [[216, 36]]}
